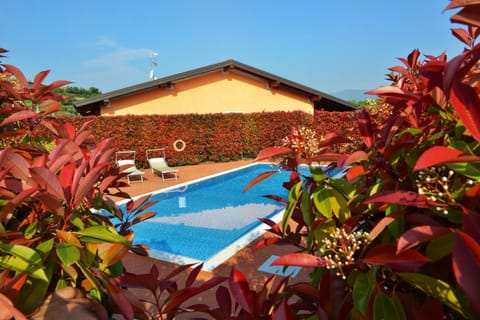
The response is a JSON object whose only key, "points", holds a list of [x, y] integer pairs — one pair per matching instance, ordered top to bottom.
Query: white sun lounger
{"points": [[159, 165], [132, 170]]}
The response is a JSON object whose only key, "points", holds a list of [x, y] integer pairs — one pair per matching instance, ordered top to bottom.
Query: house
{"points": [[224, 87]]}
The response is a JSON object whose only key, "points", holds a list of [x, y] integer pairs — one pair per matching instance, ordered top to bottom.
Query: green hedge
{"points": [[210, 137]]}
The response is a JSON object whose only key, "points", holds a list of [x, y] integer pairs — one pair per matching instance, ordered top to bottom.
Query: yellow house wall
{"points": [[212, 93]]}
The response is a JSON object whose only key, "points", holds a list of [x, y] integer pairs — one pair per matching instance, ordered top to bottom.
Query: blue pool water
{"points": [[208, 220]]}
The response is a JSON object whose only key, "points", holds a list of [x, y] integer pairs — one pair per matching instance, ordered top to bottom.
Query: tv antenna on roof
{"points": [[153, 64]]}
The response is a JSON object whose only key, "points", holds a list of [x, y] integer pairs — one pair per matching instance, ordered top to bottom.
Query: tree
{"points": [[72, 94]]}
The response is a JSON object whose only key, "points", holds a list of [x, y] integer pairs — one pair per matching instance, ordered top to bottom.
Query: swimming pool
{"points": [[208, 220]]}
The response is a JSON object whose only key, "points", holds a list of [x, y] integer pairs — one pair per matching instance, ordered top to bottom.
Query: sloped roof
{"points": [[320, 99]]}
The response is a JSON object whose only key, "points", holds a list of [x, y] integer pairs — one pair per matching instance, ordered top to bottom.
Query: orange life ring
{"points": [[177, 143]]}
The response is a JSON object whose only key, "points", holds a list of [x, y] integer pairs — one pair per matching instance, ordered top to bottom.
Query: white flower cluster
{"points": [[436, 183], [339, 248]]}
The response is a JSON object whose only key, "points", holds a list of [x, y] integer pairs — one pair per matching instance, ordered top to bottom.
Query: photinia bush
{"points": [[52, 233], [398, 236]]}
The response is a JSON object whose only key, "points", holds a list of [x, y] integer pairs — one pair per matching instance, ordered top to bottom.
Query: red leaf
{"points": [[459, 3], [468, 15], [462, 35], [413, 58], [433, 65], [399, 69], [451, 70], [18, 74], [37, 82], [58, 83], [11, 91], [394, 92], [439, 97], [466, 103], [53, 107], [19, 116], [85, 125], [49, 126], [366, 128], [70, 131], [82, 136], [332, 139], [57, 151], [271, 152], [102, 153], [438, 155], [328, 156], [357, 156], [104, 157], [15, 164], [56, 164], [354, 172], [77, 176], [65, 178], [258, 179], [47, 180], [87, 184], [471, 197], [276, 198], [407, 198], [12, 203], [51, 203], [135, 204], [144, 216], [420, 219], [383, 223], [471, 224], [275, 228], [416, 235], [265, 243], [384, 255], [299, 259], [466, 266], [175, 272], [155, 273], [193, 276], [143, 281], [212, 282], [12, 287], [279, 288], [304, 289], [240, 290], [332, 295], [179, 297], [119, 299], [224, 300], [8, 310], [283, 312]]}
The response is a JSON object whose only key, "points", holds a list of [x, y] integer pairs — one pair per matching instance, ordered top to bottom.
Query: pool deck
{"points": [[246, 260]]}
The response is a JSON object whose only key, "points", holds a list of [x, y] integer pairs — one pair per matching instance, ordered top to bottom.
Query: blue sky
{"points": [[327, 45]]}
